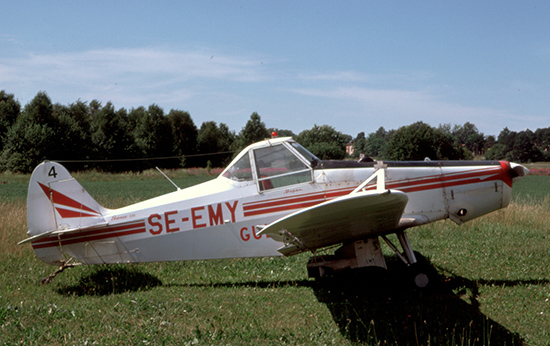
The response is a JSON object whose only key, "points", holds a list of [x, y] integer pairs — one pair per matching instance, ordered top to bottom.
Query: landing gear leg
{"points": [[421, 274]]}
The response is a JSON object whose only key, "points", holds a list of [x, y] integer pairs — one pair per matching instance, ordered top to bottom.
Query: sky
{"points": [[354, 65]]}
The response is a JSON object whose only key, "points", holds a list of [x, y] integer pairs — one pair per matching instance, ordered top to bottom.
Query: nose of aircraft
{"points": [[518, 171]]}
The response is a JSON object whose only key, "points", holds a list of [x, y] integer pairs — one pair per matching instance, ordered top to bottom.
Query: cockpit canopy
{"points": [[273, 164]]}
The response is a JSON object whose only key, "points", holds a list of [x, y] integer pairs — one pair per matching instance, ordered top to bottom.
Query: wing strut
{"points": [[380, 176], [362, 214], [407, 256]]}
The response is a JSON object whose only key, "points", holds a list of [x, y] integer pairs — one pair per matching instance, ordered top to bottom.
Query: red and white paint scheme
{"points": [[275, 198]]}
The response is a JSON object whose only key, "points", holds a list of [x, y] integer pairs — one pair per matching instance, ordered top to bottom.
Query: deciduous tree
{"points": [[9, 111], [252, 132], [74, 133], [153, 134], [184, 134], [33, 137], [112, 139], [419, 141], [324, 142], [214, 143], [377, 143]]}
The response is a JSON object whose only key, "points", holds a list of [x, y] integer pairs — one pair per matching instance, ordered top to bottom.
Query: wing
{"points": [[356, 216]]}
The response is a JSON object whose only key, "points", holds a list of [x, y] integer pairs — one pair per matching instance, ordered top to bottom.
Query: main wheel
{"points": [[422, 273], [421, 280]]}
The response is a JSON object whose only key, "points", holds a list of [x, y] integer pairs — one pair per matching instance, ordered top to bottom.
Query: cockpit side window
{"points": [[277, 167], [240, 171]]}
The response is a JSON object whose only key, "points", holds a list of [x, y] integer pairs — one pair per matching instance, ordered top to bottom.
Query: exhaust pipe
{"points": [[518, 171]]}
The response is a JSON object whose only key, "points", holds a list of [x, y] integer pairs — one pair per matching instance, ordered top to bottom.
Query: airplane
{"points": [[274, 199]]}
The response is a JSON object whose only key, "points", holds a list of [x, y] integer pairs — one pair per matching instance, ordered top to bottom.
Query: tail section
{"points": [[58, 204]]}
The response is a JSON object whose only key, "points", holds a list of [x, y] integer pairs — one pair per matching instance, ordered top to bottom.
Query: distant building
{"points": [[350, 148]]}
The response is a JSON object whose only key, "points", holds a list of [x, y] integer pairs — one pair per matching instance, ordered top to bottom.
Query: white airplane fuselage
{"points": [[219, 218]]}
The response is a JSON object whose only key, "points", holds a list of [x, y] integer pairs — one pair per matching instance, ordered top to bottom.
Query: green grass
{"points": [[535, 189], [494, 287]]}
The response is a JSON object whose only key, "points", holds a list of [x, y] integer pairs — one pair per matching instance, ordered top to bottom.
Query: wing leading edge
{"points": [[352, 217]]}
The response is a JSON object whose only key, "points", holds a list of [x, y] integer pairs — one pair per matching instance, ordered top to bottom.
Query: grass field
{"points": [[494, 286]]}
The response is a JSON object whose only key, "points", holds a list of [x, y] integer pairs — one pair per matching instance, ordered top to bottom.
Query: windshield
{"points": [[305, 153], [276, 160], [274, 166], [277, 167], [240, 171]]}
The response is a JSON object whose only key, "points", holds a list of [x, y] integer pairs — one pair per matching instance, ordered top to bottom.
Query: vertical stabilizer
{"points": [[57, 202]]}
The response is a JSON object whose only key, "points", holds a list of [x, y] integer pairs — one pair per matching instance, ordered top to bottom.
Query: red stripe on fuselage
{"points": [[445, 180], [406, 185], [281, 204], [91, 235]]}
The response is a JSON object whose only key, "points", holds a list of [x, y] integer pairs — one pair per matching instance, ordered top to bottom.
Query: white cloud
{"points": [[92, 65], [125, 75], [340, 76], [219, 86], [403, 107]]}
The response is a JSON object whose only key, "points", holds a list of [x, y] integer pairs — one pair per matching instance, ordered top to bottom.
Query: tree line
{"points": [[90, 135], [94, 136], [419, 141]]}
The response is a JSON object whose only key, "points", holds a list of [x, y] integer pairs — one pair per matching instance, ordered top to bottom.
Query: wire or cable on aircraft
{"points": [[145, 158]]}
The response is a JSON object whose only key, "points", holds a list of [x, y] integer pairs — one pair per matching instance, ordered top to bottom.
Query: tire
{"points": [[422, 274]]}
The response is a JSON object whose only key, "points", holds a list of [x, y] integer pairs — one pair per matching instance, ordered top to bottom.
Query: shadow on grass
{"points": [[111, 279], [256, 284], [381, 308], [387, 311]]}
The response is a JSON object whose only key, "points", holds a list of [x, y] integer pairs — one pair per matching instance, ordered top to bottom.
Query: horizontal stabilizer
{"points": [[59, 232], [35, 237]]}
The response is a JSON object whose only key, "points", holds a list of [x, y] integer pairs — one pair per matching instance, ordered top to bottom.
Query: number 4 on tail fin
{"points": [[52, 172]]}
